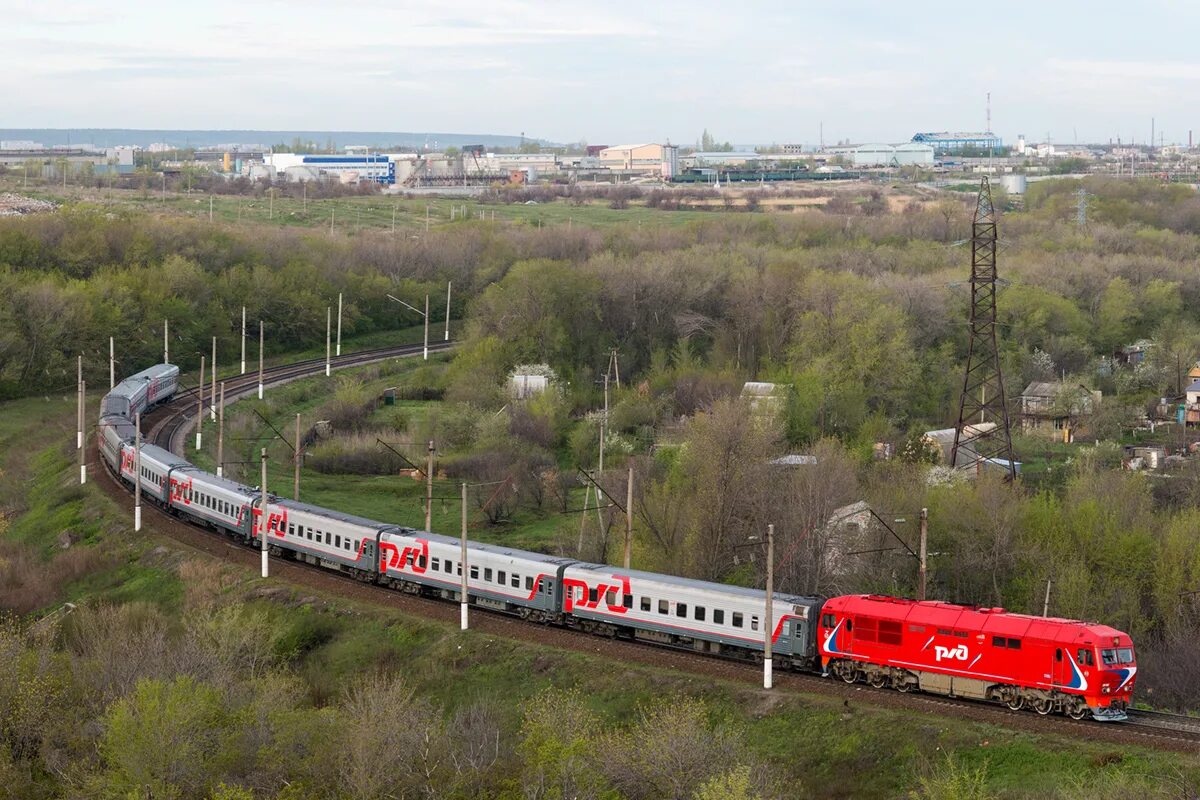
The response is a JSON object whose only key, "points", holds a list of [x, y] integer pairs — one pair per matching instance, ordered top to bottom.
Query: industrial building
{"points": [[948, 142], [888, 155], [656, 159], [377, 167]]}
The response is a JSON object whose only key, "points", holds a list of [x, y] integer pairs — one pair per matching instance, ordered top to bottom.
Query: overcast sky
{"points": [[607, 72]]}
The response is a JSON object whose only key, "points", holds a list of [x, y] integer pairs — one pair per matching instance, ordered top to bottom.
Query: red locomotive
{"points": [[1042, 663]]}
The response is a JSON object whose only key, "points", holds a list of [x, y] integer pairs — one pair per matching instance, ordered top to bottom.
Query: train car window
{"points": [[291, 529], [308, 532], [328, 537], [337, 540], [346, 544], [421, 562], [436, 565], [448, 567], [458, 569], [474, 573], [487, 574], [501, 577], [516, 581], [528, 583], [610, 597], [593, 598], [627, 601], [645, 603], [663, 607], [681, 609], [699, 613], [718, 616], [737, 619], [753, 623], [849, 626], [999, 641], [1014, 644], [1058, 654], [1086, 659]]}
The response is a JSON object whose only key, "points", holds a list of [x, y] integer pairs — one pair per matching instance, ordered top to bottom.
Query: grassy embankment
{"points": [[820, 747]]}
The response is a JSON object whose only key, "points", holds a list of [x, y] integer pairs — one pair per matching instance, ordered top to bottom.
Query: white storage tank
{"points": [[1013, 184]]}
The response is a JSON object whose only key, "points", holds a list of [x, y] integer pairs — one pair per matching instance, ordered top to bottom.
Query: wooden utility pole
{"points": [[339, 326], [328, 327], [260, 359], [212, 394], [200, 403], [221, 434], [82, 450], [296, 460], [137, 471], [429, 488], [265, 517], [629, 518], [924, 555], [463, 556], [769, 628]]}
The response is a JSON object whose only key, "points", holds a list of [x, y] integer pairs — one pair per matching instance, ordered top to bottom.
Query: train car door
{"points": [[367, 558], [1060, 669]]}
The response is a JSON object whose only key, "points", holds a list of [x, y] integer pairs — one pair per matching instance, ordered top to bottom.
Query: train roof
{"points": [[139, 379], [165, 457], [220, 482], [340, 516], [496, 549], [692, 583], [990, 619]]}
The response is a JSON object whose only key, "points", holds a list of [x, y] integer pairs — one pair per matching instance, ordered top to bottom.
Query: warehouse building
{"points": [[949, 142], [888, 155], [657, 159]]}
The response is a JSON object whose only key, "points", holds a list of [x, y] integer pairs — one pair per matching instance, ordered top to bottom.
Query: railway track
{"points": [[173, 420], [168, 424]]}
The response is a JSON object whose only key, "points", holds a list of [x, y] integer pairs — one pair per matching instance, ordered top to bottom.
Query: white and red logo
{"points": [[276, 521], [415, 557], [958, 653]]}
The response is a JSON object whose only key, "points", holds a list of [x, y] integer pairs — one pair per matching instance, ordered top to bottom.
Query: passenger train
{"points": [[1044, 664]]}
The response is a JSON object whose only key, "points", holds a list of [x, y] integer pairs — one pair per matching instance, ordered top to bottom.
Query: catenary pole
{"points": [[448, 283], [328, 325], [339, 326], [166, 344], [426, 356], [260, 359], [112, 364], [243, 372], [212, 390], [79, 403], [200, 404], [221, 434], [82, 451], [296, 460], [600, 464], [137, 471], [429, 488], [264, 518], [629, 519], [922, 587], [464, 601], [1046, 605], [769, 628]]}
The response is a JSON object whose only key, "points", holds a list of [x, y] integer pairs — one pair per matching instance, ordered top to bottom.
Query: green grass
{"points": [[353, 214]]}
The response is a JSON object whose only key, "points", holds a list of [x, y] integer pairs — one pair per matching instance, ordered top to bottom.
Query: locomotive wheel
{"points": [[847, 672], [877, 680], [904, 686], [1016, 702], [1043, 706], [1078, 711]]}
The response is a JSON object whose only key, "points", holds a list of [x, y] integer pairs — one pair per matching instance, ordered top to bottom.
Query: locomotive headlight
{"points": [[1105, 689]]}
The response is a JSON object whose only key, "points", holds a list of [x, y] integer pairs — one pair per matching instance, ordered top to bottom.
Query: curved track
{"points": [[170, 422]]}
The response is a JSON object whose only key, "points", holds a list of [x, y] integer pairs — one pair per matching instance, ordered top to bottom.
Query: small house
{"points": [[1050, 406]]}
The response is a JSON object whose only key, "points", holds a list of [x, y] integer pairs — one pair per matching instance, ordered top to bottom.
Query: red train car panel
{"points": [[1047, 664]]}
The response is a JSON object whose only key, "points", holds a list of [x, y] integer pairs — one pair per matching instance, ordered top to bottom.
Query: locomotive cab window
{"points": [[828, 620], [1014, 644], [1086, 659]]}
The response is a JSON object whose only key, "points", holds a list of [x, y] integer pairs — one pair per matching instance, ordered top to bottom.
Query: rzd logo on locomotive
{"points": [[415, 558], [959, 652]]}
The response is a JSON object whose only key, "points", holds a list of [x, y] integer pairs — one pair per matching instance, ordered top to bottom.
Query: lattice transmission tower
{"points": [[976, 442]]}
